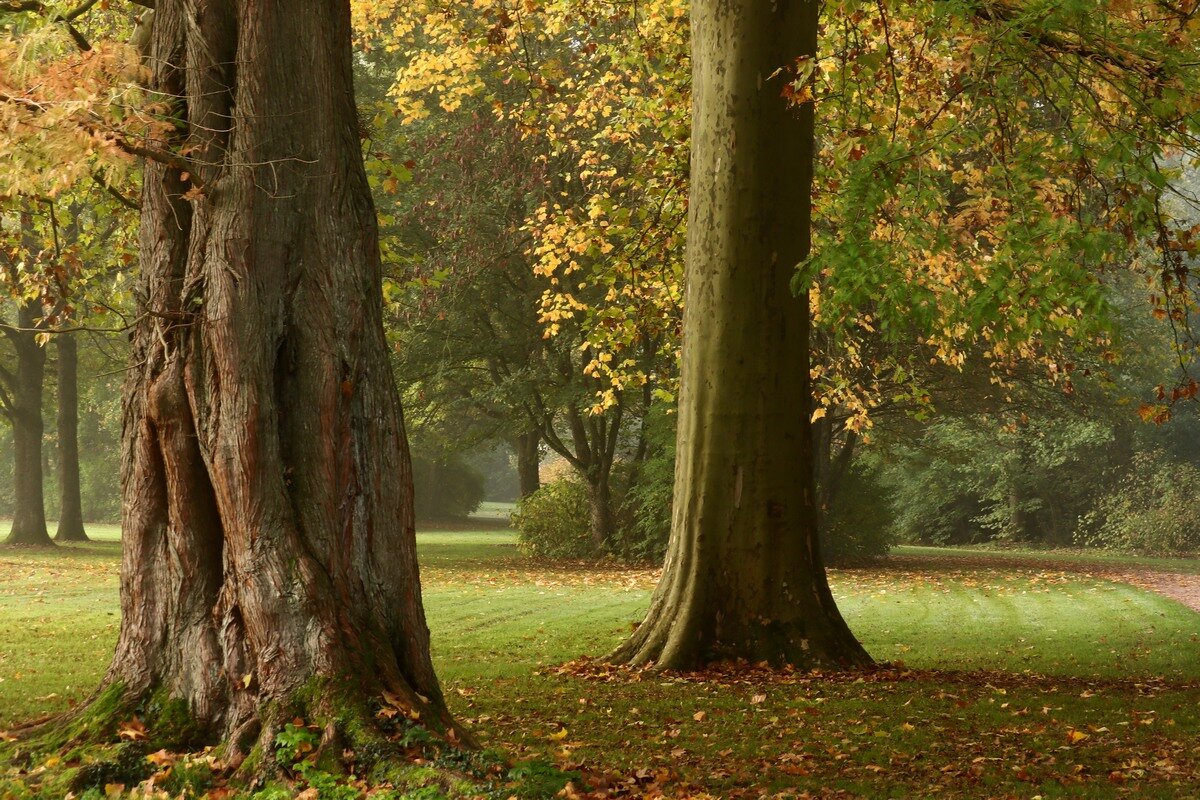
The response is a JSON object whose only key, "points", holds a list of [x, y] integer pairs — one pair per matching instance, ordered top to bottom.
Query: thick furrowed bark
{"points": [[70, 515], [270, 561], [744, 576]]}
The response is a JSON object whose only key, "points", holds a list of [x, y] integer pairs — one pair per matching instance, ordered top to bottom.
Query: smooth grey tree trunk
{"points": [[526, 447], [29, 506], [70, 515], [744, 576]]}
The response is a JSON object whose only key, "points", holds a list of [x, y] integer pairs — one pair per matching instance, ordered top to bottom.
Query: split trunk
{"points": [[269, 563]]}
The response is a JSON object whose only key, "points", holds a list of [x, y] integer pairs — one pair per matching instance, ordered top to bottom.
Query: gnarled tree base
{"points": [[687, 628], [325, 726]]}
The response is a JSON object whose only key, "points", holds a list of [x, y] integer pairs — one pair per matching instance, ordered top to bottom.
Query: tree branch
{"points": [[66, 19], [1053, 41], [166, 157], [116, 195]]}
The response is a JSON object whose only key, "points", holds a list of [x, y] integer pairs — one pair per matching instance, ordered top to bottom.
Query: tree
{"points": [[21, 403], [70, 512], [269, 565], [744, 576]]}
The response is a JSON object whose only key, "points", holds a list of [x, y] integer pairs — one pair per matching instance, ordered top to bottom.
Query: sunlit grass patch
{"points": [[1016, 680]]}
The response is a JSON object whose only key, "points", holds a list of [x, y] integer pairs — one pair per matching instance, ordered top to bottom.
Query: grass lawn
{"points": [[1189, 566], [1015, 682]]}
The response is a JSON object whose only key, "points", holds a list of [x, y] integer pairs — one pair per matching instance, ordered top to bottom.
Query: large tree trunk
{"points": [[527, 447], [29, 507], [70, 515], [269, 565], [744, 576]]}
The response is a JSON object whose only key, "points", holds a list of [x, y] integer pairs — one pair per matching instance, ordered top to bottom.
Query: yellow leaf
{"points": [[818, 413], [699, 716], [132, 730], [558, 736]]}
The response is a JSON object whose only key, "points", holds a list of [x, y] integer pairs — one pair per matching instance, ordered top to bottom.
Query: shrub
{"points": [[445, 489], [1153, 510], [553, 521], [859, 526]]}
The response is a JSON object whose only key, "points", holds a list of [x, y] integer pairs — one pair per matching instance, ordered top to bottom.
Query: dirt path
{"points": [[1175, 585], [1179, 586]]}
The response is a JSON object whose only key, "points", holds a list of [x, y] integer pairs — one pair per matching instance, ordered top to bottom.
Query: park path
{"points": [[1178, 586], [1181, 587]]}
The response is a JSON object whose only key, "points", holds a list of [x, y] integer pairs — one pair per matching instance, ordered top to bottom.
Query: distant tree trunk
{"points": [[25, 390], [526, 447], [830, 462], [70, 515], [600, 525], [269, 567], [744, 575]]}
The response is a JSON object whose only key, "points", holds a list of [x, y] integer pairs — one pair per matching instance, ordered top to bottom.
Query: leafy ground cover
{"points": [[1006, 680]]}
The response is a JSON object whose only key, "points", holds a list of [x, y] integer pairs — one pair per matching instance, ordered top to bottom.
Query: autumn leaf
{"points": [[133, 730]]}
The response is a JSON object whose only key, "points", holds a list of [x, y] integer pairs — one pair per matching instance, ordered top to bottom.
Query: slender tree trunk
{"points": [[527, 447], [830, 485], [29, 506], [70, 514], [600, 525], [269, 567], [744, 575]]}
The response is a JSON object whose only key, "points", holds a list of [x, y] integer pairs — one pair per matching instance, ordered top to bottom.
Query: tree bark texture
{"points": [[527, 448], [267, 491], [29, 507], [70, 515], [600, 522], [744, 576]]}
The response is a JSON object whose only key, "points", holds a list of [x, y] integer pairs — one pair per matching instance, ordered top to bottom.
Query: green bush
{"points": [[446, 488], [1152, 511], [553, 521], [859, 526]]}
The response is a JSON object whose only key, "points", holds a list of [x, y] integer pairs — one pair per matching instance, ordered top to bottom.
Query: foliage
{"points": [[67, 112], [1015, 152], [976, 478], [445, 489], [646, 504], [1151, 510], [553, 521], [858, 527], [294, 742]]}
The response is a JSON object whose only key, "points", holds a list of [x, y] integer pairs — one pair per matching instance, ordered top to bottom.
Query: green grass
{"points": [[490, 509], [1190, 566], [1001, 665]]}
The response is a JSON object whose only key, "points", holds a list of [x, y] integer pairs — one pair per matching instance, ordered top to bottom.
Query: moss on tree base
{"points": [[322, 737]]}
